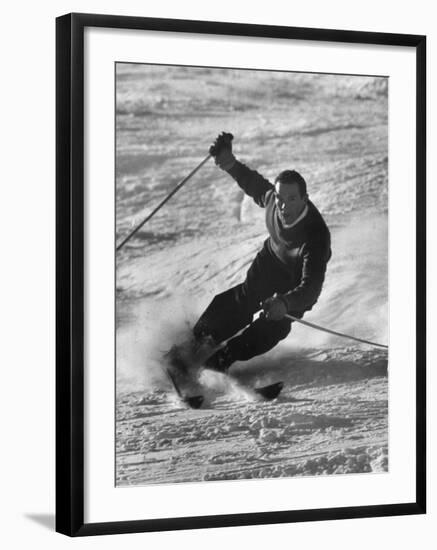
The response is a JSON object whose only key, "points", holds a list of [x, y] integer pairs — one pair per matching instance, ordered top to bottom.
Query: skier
{"points": [[286, 276]]}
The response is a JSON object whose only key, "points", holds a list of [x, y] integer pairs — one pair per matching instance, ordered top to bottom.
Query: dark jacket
{"points": [[303, 250]]}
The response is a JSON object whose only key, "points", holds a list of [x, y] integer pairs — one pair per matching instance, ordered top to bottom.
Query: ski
{"points": [[176, 361], [269, 392]]}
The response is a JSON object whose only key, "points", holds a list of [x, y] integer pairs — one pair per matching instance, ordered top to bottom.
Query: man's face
{"points": [[289, 202]]}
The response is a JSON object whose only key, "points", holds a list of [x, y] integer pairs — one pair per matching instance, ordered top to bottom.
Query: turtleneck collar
{"points": [[302, 215]]}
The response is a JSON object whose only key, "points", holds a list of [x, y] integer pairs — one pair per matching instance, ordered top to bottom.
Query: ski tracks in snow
{"points": [[323, 425]]}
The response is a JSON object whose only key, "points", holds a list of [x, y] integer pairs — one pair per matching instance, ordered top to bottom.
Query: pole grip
{"points": [[224, 140]]}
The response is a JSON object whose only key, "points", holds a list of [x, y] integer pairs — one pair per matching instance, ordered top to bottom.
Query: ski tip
{"points": [[270, 392], [195, 402]]}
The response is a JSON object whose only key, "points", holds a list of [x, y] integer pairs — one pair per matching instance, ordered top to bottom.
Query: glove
{"points": [[221, 150], [275, 308]]}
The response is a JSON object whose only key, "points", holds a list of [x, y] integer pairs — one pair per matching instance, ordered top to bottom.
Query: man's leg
{"points": [[264, 278], [232, 310], [227, 314], [259, 337]]}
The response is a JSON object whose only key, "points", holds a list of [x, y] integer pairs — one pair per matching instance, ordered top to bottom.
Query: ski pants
{"points": [[233, 310]]}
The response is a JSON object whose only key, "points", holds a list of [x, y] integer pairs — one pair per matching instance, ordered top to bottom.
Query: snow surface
{"points": [[331, 417]]}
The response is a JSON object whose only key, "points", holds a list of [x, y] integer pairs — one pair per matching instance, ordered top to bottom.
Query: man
{"points": [[286, 276]]}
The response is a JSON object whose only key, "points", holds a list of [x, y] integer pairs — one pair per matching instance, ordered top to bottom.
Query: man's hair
{"points": [[291, 176]]}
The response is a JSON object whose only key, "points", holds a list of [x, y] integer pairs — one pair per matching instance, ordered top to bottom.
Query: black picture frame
{"points": [[70, 272]]}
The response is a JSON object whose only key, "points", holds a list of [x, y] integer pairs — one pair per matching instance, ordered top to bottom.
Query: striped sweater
{"points": [[303, 249]]}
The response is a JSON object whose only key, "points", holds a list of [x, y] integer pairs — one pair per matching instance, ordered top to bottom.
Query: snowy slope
{"points": [[332, 414], [330, 419]]}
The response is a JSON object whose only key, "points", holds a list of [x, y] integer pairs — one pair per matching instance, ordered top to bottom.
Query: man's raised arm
{"points": [[252, 183]]}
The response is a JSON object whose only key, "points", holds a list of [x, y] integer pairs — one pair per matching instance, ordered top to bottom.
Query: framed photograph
{"points": [[240, 274]]}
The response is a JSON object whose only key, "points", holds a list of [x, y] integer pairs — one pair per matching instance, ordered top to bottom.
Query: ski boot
{"points": [[190, 355], [221, 360]]}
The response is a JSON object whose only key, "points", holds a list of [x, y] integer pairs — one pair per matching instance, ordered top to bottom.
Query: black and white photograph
{"points": [[251, 254], [218, 272]]}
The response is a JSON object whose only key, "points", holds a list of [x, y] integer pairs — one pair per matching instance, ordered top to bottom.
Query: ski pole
{"points": [[161, 204], [317, 327]]}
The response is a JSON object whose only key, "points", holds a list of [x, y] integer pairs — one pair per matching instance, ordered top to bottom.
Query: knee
{"points": [[283, 329], [273, 331]]}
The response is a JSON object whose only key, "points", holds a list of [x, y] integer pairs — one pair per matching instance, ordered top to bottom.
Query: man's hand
{"points": [[221, 150], [274, 308]]}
